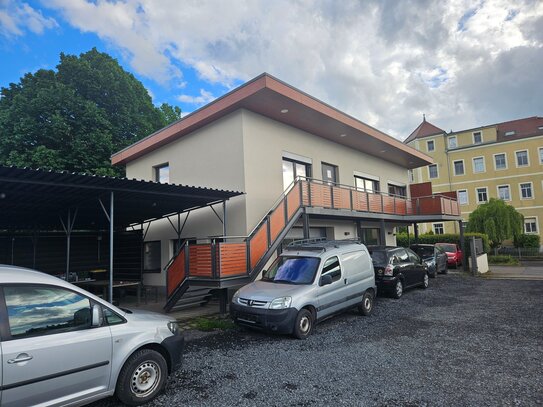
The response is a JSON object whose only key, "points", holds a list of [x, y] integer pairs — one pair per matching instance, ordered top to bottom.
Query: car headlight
{"points": [[235, 296], [281, 303], [173, 327]]}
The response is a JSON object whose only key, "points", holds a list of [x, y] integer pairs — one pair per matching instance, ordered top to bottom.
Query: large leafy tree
{"points": [[76, 117], [498, 220]]}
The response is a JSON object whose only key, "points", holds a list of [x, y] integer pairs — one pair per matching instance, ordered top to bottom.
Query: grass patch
{"points": [[503, 260], [211, 324]]}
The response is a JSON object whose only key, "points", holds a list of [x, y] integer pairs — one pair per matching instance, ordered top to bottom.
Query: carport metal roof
{"points": [[37, 199]]}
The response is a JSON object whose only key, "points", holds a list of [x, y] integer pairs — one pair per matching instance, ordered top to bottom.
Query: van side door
{"points": [[358, 275], [331, 297], [51, 353]]}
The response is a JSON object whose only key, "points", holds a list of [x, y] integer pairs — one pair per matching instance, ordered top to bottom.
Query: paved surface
{"points": [[526, 271], [462, 342]]}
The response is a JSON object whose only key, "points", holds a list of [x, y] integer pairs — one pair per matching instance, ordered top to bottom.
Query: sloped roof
{"points": [[277, 100], [523, 128], [424, 129]]}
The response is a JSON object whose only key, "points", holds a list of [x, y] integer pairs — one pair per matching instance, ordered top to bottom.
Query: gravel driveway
{"points": [[461, 342]]}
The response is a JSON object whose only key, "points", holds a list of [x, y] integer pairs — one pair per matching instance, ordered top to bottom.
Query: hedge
{"points": [[402, 240], [525, 240], [502, 259]]}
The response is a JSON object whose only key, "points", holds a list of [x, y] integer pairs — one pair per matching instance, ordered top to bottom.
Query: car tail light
{"points": [[389, 270]]}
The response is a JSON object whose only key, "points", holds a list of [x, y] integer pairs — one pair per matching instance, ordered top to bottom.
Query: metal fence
{"points": [[519, 252]]}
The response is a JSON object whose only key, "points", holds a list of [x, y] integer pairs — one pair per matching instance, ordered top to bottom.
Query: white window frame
{"points": [[473, 137], [449, 142], [428, 145], [540, 150], [494, 158], [527, 158], [473, 164], [463, 167], [437, 171], [411, 176], [531, 190], [498, 191], [477, 195], [458, 196], [536, 221], [442, 226]]}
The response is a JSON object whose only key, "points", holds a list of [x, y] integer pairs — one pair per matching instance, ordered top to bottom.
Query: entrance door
{"points": [[329, 173], [370, 236]]}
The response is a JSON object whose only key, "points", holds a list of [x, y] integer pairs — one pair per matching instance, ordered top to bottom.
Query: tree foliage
{"points": [[74, 118], [496, 219]]}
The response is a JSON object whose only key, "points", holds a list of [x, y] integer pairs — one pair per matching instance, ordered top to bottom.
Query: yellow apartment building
{"points": [[503, 160]]}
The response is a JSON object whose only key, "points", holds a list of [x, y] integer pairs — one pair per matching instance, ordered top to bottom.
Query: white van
{"points": [[309, 281], [62, 346]]}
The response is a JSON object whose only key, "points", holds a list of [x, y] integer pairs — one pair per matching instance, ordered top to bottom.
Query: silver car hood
{"points": [[266, 291], [146, 316]]}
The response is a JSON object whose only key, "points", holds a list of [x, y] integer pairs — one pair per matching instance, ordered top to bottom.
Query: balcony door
{"points": [[293, 169], [329, 173]]}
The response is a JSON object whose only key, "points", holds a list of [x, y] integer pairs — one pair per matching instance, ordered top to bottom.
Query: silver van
{"points": [[308, 282], [62, 346]]}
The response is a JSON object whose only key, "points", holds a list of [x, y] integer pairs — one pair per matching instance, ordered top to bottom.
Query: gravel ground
{"points": [[461, 342]]}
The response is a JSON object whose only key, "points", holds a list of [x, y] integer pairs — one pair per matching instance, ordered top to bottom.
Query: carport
{"points": [[39, 200]]}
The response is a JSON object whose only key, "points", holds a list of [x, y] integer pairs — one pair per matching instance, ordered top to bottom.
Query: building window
{"points": [[477, 137], [452, 142], [430, 145], [540, 155], [522, 158], [500, 161], [478, 164], [458, 167], [293, 169], [432, 171], [162, 173], [329, 173], [411, 176], [366, 184], [397, 190], [526, 190], [504, 193], [462, 195], [482, 195], [530, 225], [438, 228], [151, 257]]}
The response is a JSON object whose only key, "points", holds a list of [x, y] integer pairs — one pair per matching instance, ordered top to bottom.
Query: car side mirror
{"points": [[325, 280], [97, 318]]}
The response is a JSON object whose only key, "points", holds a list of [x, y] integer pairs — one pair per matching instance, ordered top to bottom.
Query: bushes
{"points": [[402, 240], [525, 240], [503, 259]]}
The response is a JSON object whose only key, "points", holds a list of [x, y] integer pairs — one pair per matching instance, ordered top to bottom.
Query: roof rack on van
{"points": [[318, 243]]}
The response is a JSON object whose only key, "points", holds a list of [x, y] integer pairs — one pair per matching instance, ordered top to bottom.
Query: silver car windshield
{"points": [[292, 270]]}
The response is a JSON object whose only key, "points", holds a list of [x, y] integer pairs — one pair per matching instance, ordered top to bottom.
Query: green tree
{"points": [[76, 117], [496, 219]]}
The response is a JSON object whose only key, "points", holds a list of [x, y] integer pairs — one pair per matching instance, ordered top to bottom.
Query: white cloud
{"points": [[16, 18], [384, 62], [202, 99]]}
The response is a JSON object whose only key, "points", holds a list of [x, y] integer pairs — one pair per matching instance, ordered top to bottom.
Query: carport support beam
{"points": [[111, 205], [416, 232], [382, 233], [463, 245], [223, 300]]}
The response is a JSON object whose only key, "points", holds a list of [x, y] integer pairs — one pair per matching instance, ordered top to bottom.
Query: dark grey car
{"points": [[434, 256]]}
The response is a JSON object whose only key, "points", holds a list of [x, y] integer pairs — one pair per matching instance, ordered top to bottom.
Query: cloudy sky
{"points": [[463, 63]]}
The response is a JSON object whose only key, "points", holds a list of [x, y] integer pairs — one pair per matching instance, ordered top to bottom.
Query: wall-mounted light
{"points": [[284, 111]]}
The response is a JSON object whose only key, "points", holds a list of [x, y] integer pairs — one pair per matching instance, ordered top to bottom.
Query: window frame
{"points": [[480, 133], [433, 142], [449, 142], [540, 150], [527, 158], [505, 159], [473, 164], [463, 167], [308, 168], [335, 170], [156, 172], [429, 172], [376, 183], [397, 185], [508, 189], [477, 194], [532, 194], [458, 196], [535, 221], [439, 225], [155, 269], [334, 278]]}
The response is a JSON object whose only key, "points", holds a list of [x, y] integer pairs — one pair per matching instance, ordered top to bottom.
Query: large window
{"points": [[477, 137], [452, 142], [430, 145], [540, 155], [522, 158], [500, 161], [478, 164], [458, 167], [293, 169], [432, 171], [162, 173], [366, 184], [397, 190], [526, 190], [504, 193], [482, 195], [462, 196], [530, 225], [439, 229], [370, 236], [152, 257], [43, 310]]}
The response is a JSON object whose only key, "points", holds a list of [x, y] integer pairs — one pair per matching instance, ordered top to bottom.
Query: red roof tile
{"points": [[424, 129]]}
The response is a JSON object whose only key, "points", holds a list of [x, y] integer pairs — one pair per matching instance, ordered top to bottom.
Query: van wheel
{"points": [[398, 289], [366, 307], [303, 324], [142, 377]]}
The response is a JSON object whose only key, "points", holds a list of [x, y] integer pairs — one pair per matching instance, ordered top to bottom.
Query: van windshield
{"points": [[292, 270]]}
